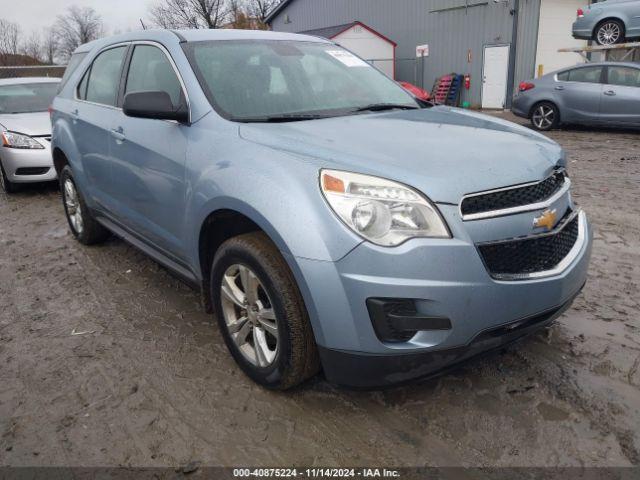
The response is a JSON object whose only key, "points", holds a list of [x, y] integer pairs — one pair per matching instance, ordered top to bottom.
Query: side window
{"points": [[74, 63], [150, 70], [586, 75], [563, 76], [624, 76], [104, 77], [82, 88]]}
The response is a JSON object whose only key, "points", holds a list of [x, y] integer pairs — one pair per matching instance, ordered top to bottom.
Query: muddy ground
{"points": [[106, 359]]}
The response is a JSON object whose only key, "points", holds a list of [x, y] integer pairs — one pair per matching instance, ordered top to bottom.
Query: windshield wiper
{"points": [[381, 107], [282, 118]]}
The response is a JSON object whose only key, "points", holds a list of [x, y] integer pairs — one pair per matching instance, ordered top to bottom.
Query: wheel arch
{"points": [[608, 19], [540, 102], [60, 160]]}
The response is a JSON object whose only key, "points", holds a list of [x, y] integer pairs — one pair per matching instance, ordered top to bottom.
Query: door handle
{"points": [[559, 87], [610, 93], [74, 115], [118, 134]]}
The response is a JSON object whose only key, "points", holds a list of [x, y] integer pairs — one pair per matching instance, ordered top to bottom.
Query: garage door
{"points": [[556, 19]]}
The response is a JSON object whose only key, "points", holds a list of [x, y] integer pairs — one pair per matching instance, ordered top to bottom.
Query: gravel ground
{"points": [[107, 360]]}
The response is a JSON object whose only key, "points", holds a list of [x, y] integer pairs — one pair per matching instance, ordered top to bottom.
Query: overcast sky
{"points": [[33, 15]]}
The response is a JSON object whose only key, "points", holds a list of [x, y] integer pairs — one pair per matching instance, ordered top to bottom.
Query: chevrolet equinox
{"points": [[329, 219]]}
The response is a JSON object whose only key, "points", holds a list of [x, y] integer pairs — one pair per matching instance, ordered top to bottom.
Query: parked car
{"points": [[608, 23], [419, 93], [591, 94], [25, 131], [327, 219]]}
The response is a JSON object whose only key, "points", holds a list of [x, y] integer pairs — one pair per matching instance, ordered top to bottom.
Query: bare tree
{"points": [[260, 9], [235, 10], [189, 13], [77, 26], [9, 41], [32, 46], [49, 46]]}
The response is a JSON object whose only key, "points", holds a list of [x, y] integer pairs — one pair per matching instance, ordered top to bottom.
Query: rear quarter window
{"points": [[72, 66]]}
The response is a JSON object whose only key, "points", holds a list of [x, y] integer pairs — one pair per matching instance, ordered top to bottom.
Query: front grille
{"points": [[32, 170], [513, 197], [532, 254]]}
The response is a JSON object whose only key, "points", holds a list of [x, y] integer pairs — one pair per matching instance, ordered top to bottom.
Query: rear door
{"points": [[579, 93], [621, 96], [93, 113], [148, 156]]}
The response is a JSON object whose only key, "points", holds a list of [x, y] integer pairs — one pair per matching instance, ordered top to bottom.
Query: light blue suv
{"points": [[328, 218]]}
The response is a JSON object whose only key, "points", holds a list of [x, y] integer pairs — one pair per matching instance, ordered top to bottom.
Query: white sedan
{"points": [[25, 131]]}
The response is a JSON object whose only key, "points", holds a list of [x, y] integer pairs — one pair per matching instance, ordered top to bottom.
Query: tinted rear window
{"points": [[586, 75]]}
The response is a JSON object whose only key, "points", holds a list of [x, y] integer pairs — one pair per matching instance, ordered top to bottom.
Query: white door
{"points": [[495, 76]]}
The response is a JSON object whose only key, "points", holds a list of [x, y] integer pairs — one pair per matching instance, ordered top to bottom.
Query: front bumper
{"points": [[20, 164], [447, 279], [360, 370]]}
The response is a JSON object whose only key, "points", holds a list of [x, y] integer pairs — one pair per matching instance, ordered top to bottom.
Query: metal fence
{"points": [[32, 71]]}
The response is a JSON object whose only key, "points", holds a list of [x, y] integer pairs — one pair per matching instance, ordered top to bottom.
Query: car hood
{"points": [[38, 123], [444, 152]]}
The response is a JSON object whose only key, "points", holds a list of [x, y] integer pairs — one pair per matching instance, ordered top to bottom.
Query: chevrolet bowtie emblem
{"points": [[547, 220]]}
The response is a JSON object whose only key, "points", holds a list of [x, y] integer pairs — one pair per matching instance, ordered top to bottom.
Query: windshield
{"points": [[258, 81], [27, 97]]}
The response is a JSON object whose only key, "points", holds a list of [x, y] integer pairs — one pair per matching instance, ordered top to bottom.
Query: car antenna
{"points": [[142, 23]]}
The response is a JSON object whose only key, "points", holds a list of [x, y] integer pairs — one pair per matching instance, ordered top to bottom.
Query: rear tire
{"points": [[609, 32], [545, 116], [6, 185], [81, 221], [261, 314]]}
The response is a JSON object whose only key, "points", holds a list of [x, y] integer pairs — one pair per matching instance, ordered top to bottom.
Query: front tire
{"points": [[610, 32], [545, 116], [6, 185], [81, 221], [261, 314]]}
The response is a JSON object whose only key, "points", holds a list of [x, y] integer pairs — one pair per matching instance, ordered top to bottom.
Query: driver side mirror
{"points": [[154, 105]]}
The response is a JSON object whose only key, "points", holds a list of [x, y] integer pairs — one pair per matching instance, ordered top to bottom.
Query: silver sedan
{"points": [[609, 22], [605, 94], [25, 131]]}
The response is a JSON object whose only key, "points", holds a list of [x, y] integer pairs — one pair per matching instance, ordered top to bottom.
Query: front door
{"points": [[495, 76], [621, 96], [148, 157]]}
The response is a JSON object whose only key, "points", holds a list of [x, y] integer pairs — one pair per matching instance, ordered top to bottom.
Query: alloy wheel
{"points": [[609, 33], [544, 117], [3, 186], [72, 204], [249, 315]]}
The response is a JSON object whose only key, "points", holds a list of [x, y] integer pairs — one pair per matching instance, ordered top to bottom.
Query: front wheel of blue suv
{"points": [[261, 313]]}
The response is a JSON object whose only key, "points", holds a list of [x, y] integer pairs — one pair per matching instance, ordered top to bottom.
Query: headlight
{"points": [[18, 140], [384, 212]]}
